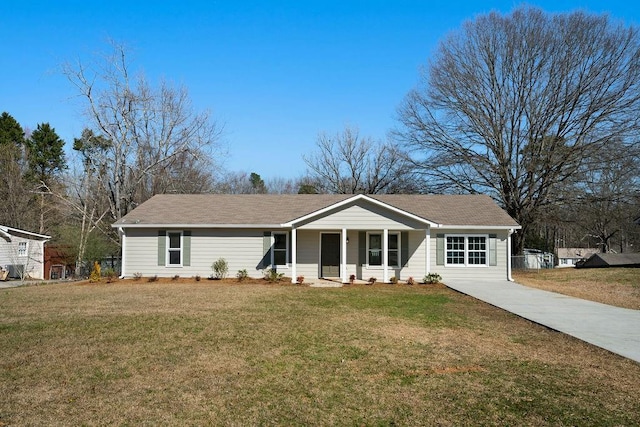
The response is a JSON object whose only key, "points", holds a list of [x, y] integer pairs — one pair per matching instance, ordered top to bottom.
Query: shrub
{"points": [[220, 268], [95, 273], [110, 274], [242, 274], [272, 275], [137, 276], [176, 277], [197, 277], [153, 278], [352, 278], [432, 278], [300, 280], [372, 280], [393, 280], [411, 281]]}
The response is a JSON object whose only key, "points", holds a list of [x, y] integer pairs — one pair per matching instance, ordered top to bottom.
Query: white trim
{"points": [[354, 199], [190, 226], [479, 227], [6, 231], [123, 238], [168, 249], [428, 249], [466, 250], [294, 255], [385, 255], [343, 256], [509, 278]]}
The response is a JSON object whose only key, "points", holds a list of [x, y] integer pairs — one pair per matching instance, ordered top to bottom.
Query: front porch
{"points": [[336, 255]]}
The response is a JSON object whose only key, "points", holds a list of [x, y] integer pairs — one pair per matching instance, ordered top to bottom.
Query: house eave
{"points": [[191, 226], [480, 227], [8, 231]]}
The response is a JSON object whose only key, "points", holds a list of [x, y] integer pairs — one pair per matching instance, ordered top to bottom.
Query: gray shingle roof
{"points": [[272, 209]]}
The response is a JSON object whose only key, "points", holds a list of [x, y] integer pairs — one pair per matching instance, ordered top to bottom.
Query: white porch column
{"points": [[428, 249], [294, 255], [343, 256], [385, 256], [509, 278]]}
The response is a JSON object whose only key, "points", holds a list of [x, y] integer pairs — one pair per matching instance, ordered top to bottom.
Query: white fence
{"points": [[532, 261]]}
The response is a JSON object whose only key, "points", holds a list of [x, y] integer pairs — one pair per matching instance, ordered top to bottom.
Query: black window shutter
{"points": [[404, 250]]}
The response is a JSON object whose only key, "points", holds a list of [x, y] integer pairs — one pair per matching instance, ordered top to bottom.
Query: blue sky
{"points": [[275, 73]]}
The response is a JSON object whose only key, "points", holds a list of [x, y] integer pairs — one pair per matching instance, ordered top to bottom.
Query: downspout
{"points": [[123, 238], [509, 278]]}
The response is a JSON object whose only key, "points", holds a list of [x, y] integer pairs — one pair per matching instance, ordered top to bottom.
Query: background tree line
{"points": [[541, 111]]}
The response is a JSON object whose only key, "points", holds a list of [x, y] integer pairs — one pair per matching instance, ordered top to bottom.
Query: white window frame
{"points": [[170, 249], [273, 249], [399, 250], [466, 250], [23, 252]]}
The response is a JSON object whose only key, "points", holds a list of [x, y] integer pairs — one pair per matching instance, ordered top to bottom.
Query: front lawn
{"points": [[613, 286], [215, 353]]}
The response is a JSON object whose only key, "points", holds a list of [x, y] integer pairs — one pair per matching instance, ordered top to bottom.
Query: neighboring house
{"points": [[315, 236], [22, 253], [569, 257], [611, 260], [58, 263]]}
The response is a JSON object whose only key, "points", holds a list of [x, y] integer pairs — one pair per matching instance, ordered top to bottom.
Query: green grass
{"points": [[137, 353]]}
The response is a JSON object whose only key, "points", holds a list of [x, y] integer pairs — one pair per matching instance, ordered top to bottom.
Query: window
{"points": [[22, 248], [174, 248], [280, 248], [374, 249], [466, 250], [477, 250]]}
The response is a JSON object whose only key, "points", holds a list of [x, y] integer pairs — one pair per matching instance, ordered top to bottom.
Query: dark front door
{"points": [[330, 255]]}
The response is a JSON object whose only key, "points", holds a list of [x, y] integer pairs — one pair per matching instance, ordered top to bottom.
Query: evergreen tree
{"points": [[46, 154]]}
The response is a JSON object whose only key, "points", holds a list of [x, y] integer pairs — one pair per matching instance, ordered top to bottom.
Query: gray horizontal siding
{"points": [[363, 216], [242, 249], [32, 262], [498, 271]]}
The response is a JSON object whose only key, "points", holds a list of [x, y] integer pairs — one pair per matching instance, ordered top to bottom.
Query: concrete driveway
{"points": [[612, 328]]}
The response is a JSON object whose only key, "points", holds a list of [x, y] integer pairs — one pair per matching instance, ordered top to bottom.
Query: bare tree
{"points": [[513, 105], [148, 133], [348, 164], [606, 197]]}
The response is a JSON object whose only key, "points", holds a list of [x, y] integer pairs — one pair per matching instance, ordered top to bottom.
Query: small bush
{"points": [[220, 268], [110, 274], [242, 274], [95, 275], [272, 275], [137, 276], [176, 277], [197, 277], [153, 278], [352, 278], [432, 278], [300, 280], [372, 280], [393, 280], [411, 281]]}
